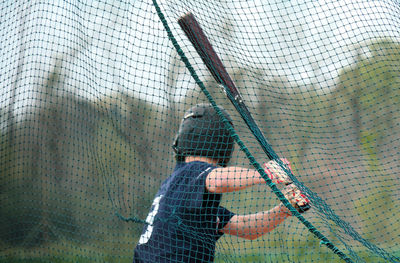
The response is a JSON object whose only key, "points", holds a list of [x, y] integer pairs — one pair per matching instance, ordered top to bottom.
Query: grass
{"points": [[238, 251]]}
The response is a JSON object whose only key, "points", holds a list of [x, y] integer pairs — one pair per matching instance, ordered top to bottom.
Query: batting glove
{"points": [[276, 173], [296, 198]]}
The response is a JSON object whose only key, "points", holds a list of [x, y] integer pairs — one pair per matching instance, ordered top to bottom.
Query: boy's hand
{"points": [[276, 173], [296, 198]]}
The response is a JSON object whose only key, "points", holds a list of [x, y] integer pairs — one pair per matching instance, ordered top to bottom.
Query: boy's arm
{"points": [[229, 179], [255, 225]]}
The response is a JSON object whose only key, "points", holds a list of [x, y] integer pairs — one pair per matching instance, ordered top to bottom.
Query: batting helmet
{"points": [[203, 133]]}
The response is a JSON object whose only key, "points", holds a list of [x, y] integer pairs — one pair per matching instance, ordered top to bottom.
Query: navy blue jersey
{"points": [[184, 221]]}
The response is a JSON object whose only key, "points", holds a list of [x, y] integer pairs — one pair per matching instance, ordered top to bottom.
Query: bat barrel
{"points": [[199, 40]]}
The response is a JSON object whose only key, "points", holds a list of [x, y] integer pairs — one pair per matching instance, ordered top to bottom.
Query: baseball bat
{"points": [[199, 40]]}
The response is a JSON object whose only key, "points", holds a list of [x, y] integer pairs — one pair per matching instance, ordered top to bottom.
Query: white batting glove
{"points": [[276, 173], [296, 198]]}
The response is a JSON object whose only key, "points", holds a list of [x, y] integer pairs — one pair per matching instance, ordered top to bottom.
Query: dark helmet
{"points": [[203, 133]]}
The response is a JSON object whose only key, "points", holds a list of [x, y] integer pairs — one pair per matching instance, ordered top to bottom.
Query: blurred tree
{"points": [[367, 94], [367, 100], [124, 153]]}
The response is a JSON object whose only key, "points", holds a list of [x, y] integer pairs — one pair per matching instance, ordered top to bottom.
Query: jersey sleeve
{"points": [[197, 194], [224, 216]]}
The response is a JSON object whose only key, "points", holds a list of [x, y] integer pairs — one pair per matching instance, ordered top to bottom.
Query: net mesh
{"points": [[93, 93]]}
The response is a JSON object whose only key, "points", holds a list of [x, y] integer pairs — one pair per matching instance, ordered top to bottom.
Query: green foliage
{"points": [[373, 85], [55, 187]]}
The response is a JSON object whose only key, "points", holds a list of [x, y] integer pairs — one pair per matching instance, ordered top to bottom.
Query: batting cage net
{"points": [[98, 164]]}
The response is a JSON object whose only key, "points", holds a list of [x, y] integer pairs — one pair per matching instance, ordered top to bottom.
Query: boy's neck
{"points": [[189, 159]]}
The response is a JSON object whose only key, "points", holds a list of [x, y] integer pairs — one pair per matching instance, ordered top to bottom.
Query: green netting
{"points": [[93, 93]]}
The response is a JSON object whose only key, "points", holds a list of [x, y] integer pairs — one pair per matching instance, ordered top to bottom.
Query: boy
{"points": [[186, 219]]}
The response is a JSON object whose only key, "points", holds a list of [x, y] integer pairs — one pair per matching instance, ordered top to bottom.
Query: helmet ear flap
{"points": [[175, 144], [178, 155]]}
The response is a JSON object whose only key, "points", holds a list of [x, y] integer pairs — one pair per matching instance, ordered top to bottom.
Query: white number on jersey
{"points": [[144, 238]]}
